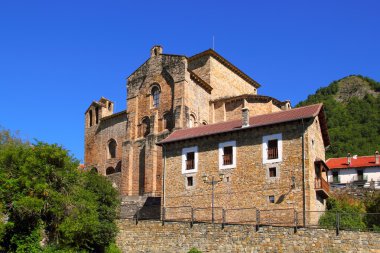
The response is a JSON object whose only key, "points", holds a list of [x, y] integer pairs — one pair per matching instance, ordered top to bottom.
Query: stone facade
{"points": [[166, 93], [248, 182], [151, 236]]}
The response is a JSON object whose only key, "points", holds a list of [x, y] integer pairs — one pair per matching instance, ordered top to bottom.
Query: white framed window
{"points": [[272, 148], [227, 155], [189, 160]]}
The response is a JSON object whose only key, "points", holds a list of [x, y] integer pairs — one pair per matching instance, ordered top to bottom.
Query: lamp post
{"points": [[212, 182]]}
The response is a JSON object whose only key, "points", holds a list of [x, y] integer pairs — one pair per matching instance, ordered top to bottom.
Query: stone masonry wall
{"points": [[248, 185], [151, 236]]}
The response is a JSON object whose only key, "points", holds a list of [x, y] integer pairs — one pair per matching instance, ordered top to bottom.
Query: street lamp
{"points": [[213, 182]]}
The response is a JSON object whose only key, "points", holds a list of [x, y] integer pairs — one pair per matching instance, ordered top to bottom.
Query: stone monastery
{"points": [[198, 117]]}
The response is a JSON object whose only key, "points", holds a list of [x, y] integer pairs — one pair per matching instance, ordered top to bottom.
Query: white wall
{"points": [[348, 175]]}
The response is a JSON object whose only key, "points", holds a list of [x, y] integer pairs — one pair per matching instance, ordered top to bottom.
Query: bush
{"points": [[49, 200], [352, 213], [194, 250]]}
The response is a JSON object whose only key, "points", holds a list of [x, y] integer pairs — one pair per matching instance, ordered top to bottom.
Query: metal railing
{"points": [[273, 153], [227, 159], [189, 164], [274, 217]]}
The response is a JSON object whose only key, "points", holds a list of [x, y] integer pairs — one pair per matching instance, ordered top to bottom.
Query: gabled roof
{"points": [[226, 63], [207, 87], [252, 96], [255, 121], [359, 162]]}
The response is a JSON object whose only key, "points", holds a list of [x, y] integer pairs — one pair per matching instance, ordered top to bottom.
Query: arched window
{"points": [[155, 96], [96, 115], [90, 118], [168, 121], [192, 122], [204, 122], [145, 127], [112, 148], [118, 167], [94, 170], [110, 171]]}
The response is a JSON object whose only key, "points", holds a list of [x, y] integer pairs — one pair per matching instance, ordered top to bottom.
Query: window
{"points": [[156, 96], [109, 106], [90, 114], [96, 115], [168, 121], [192, 121], [144, 127], [272, 148], [111, 149], [227, 155], [189, 160], [118, 167], [110, 171], [272, 172], [335, 175], [360, 175], [190, 181], [271, 199]]}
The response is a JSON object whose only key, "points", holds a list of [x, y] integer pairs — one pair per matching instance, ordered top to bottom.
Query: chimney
{"points": [[156, 50], [245, 117], [349, 158], [377, 159]]}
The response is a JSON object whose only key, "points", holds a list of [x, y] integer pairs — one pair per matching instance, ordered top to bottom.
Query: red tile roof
{"points": [[255, 121], [359, 162]]}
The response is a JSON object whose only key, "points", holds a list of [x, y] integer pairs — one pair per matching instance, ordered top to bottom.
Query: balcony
{"points": [[273, 153], [227, 159], [189, 164], [322, 187]]}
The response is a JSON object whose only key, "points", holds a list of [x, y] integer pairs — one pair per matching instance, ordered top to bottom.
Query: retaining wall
{"points": [[151, 236]]}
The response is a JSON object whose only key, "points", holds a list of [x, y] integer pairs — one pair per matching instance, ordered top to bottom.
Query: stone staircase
{"points": [[142, 206]]}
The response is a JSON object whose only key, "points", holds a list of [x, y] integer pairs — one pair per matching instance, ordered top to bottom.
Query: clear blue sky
{"points": [[58, 56]]}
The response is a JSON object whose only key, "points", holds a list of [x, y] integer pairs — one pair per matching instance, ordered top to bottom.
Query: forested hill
{"points": [[352, 107]]}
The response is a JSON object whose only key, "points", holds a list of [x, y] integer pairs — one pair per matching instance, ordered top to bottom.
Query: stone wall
{"points": [[247, 184], [359, 193], [151, 236]]}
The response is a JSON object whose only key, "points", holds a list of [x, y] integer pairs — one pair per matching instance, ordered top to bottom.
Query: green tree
{"points": [[49, 204], [372, 204], [352, 213]]}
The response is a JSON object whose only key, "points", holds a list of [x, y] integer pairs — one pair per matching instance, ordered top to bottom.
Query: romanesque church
{"points": [[166, 93]]}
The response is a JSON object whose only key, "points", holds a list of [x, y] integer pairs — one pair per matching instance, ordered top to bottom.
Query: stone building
{"points": [[166, 93], [269, 162]]}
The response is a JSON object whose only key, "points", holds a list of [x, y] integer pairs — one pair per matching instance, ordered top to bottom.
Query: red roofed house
{"points": [[269, 162], [362, 171]]}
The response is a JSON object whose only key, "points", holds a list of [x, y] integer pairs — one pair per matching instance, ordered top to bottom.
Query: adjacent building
{"points": [[360, 171]]}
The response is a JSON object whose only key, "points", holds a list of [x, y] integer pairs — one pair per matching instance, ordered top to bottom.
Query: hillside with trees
{"points": [[352, 107]]}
